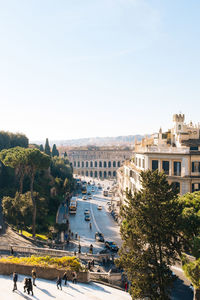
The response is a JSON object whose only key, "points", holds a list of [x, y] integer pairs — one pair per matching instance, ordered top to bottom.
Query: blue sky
{"points": [[72, 69]]}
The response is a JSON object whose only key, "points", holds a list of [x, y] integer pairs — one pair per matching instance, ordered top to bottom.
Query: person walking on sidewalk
{"points": [[34, 276], [74, 277], [15, 278], [65, 278], [59, 283]]}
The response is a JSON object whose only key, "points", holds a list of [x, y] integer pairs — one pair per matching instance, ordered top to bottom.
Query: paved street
{"points": [[101, 221]]}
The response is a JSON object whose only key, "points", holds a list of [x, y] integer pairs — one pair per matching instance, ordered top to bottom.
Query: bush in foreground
{"points": [[65, 262]]}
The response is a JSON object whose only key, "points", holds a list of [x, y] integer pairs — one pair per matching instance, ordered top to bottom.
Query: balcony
{"points": [[156, 149]]}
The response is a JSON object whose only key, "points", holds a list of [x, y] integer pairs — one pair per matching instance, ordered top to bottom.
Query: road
{"points": [[101, 221]]}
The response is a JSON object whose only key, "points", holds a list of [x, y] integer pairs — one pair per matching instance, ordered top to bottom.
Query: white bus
{"points": [[73, 205]]}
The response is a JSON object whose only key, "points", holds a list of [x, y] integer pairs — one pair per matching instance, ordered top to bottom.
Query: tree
{"points": [[41, 148], [47, 148], [55, 151], [15, 158], [36, 161], [190, 222], [149, 232], [192, 271]]}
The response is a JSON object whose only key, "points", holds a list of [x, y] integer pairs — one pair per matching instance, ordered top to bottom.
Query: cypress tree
{"points": [[41, 148], [47, 148], [55, 151]]}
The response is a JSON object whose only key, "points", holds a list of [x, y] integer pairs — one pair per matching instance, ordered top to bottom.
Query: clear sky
{"points": [[83, 68]]}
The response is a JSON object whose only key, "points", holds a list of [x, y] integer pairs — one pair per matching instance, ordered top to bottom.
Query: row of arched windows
{"points": [[95, 164], [97, 174]]}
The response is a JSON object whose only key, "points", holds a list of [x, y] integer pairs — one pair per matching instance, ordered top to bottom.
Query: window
{"points": [[179, 127], [194, 148], [139, 162], [74, 163], [78, 164], [82, 164], [86, 164], [91, 164], [95, 164], [104, 164], [109, 164], [114, 164], [118, 164], [143, 164], [100, 165], [154, 165], [196, 166], [165, 167], [177, 168], [82, 173], [87, 173], [114, 173], [131, 173], [91, 174], [95, 174], [100, 174], [105, 174], [109, 174], [176, 186], [195, 187]]}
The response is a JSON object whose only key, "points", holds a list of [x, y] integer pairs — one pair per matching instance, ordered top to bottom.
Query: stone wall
{"points": [[45, 273]]}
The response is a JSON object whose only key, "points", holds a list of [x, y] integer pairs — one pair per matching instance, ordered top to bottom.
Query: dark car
{"points": [[87, 217], [99, 237], [112, 246]]}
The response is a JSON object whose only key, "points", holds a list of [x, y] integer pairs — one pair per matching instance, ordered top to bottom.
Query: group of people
{"points": [[65, 278], [28, 284]]}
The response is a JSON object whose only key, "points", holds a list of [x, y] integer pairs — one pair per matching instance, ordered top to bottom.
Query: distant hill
{"points": [[127, 140]]}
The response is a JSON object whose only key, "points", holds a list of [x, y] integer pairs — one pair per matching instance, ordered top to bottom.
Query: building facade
{"points": [[175, 152], [98, 162]]}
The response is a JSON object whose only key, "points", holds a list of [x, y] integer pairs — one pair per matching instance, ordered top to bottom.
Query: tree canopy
{"points": [[47, 148], [149, 232]]}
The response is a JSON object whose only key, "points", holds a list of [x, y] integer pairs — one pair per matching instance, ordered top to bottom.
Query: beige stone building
{"points": [[175, 152], [98, 162]]}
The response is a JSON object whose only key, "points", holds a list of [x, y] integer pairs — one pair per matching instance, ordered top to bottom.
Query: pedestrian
{"points": [[76, 235], [79, 248], [11, 251], [74, 252], [92, 262], [89, 265], [34, 276], [74, 277], [15, 278], [65, 278], [26, 283], [59, 283], [30, 286], [126, 286]]}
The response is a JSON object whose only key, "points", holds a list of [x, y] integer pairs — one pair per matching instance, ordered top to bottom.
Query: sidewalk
{"points": [[47, 290]]}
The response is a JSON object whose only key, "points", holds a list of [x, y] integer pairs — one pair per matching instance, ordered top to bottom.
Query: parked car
{"points": [[99, 187], [93, 190], [89, 193], [90, 197], [84, 198], [99, 207], [86, 211], [87, 217], [99, 237], [112, 246]]}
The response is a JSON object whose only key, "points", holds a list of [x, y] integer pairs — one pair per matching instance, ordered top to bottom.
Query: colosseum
{"points": [[98, 162]]}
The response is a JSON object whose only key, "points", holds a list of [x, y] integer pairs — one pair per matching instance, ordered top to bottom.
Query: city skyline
{"points": [[100, 68]]}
